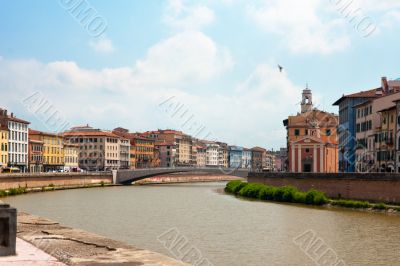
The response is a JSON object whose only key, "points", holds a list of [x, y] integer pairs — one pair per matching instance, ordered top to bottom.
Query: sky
{"points": [[208, 67]]}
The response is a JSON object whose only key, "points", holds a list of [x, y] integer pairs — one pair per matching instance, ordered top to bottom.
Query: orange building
{"points": [[312, 139]]}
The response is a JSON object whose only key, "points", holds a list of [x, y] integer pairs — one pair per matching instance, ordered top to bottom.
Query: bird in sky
{"points": [[280, 68]]}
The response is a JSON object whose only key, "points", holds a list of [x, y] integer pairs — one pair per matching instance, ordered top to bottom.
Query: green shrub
{"points": [[102, 183], [51, 185], [235, 186], [250, 190], [3, 193], [266, 193], [299, 197], [315, 197], [352, 204], [380, 206]]}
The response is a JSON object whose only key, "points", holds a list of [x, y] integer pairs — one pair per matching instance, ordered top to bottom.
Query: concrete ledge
{"points": [[78, 247]]}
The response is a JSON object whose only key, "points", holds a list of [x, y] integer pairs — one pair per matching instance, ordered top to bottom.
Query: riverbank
{"points": [[291, 194], [78, 247]]}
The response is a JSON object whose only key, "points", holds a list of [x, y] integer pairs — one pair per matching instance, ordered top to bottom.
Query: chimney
{"points": [[385, 85], [12, 114]]}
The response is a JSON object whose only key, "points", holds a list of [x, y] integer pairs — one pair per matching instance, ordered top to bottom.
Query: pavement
{"points": [[76, 247], [28, 254]]}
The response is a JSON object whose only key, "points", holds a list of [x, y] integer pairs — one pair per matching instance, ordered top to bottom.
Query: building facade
{"points": [[347, 120], [312, 139], [17, 140], [3, 145], [53, 149], [99, 150], [35, 155], [235, 156], [71, 157], [258, 157], [246, 158]]}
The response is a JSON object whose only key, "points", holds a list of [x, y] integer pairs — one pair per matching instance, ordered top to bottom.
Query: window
{"points": [[296, 132], [328, 132], [307, 150]]}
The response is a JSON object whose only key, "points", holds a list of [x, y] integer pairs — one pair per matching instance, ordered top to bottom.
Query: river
{"points": [[226, 230]]}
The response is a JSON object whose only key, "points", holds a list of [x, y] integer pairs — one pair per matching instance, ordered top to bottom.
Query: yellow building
{"points": [[3, 146], [53, 149], [71, 154]]}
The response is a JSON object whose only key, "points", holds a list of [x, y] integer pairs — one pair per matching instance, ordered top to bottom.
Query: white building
{"points": [[17, 140], [212, 154], [246, 158]]}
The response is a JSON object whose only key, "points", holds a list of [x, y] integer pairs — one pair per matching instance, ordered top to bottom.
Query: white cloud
{"points": [[181, 16], [301, 25], [102, 45], [187, 56], [114, 97]]}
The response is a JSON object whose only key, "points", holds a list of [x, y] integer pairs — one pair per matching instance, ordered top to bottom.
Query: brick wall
{"points": [[57, 179], [380, 187]]}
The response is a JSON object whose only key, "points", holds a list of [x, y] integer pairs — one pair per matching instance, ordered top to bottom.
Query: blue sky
{"points": [[215, 59]]}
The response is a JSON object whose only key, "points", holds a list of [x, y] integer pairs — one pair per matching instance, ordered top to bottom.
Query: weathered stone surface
{"points": [[8, 228], [78, 247]]}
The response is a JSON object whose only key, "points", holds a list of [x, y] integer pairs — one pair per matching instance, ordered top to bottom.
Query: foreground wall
{"points": [[57, 179], [380, 187]]}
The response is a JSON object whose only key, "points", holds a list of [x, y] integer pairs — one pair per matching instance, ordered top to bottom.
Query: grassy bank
{"points": [[50, 187], [293, 195]]}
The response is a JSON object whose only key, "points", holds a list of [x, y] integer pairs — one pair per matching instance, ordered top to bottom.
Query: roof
{"points": [[362, 94], [362, 104], [387, 108], [37, 132], [90, 134], [36, 141], [164, 143], [258, 149]]}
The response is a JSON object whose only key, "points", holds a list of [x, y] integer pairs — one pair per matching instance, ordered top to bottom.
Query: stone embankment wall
{"points": [[186, 178], [8, 181], [379, 187]]}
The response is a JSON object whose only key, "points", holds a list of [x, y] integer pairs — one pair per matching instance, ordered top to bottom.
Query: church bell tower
{"points": [[306, 101]]}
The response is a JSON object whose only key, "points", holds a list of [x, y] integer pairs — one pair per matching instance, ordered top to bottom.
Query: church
{"points": [[312, 139]]}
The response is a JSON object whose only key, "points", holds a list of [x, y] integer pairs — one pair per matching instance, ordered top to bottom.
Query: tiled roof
{"points": [[362, 94], [37, 132], [90, 133]]}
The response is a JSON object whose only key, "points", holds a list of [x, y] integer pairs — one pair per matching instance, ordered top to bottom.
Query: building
{"points": [[347, 120], [365, 137], [312, 139], [17, 140], [3, 145], [142, 148], [385, 148], [53, 149], [99, 150], [185, 150], [144, 151], [124, 153], [167, 153], [212, 154], [35, 155], [201, 155], [223, 155], [258, 155], [235, 156], [71, 157], [246, 158], [283, 158], [269, 164]]}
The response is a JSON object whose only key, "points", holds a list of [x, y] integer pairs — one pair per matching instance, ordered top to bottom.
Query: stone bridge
{"points": [[126, 177]]}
